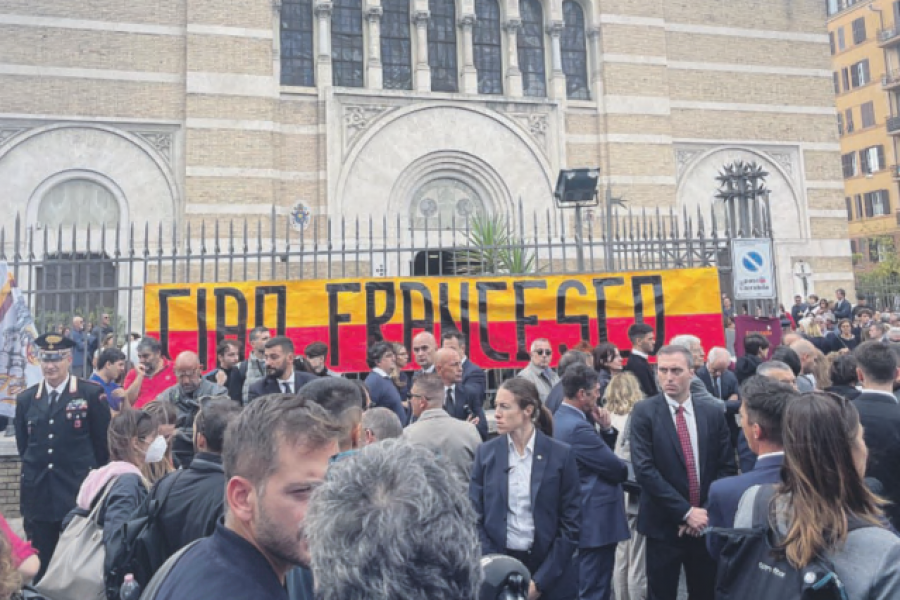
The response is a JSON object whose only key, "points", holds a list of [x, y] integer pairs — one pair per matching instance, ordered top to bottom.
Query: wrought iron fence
{"points": [[89, 271], [881, 293]]}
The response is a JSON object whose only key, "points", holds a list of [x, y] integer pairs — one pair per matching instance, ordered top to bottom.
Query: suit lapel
{"points": [[664, 414], [501, 457], [538, 465]]}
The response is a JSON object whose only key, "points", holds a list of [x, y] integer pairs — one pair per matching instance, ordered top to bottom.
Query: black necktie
{"points": [[286, 386], [719, 387], [54, 396], [448, 403]]}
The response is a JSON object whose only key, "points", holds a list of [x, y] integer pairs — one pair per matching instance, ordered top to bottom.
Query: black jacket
{"points": [[745, 367], [640, 368], [234, 382], [269, 385], [847, 391], [465, 405], [880, 418], [59, 446], [660, 468], [193, 501]]}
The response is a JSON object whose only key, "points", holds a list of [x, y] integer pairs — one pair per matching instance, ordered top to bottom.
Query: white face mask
{"points": [[156, 451]]}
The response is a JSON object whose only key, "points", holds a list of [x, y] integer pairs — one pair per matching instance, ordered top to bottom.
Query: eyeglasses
{"points": [[544, 352]]}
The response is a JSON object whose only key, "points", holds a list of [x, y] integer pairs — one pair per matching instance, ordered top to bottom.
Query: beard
{"points": [[276, 372], [278, 541]]}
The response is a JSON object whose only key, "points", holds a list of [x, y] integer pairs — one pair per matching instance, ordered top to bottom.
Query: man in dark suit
{"points": [[842, 308], [643, 339], [281, 376], [474, 380], [723, 384], [382, 391], [557, 394], [457, 401], [763, 401], [879, 414], [61, 426], [679, 446], [601, 473]]}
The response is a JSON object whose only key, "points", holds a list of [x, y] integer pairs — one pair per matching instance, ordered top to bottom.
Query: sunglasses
{"points": [[544, 352]]}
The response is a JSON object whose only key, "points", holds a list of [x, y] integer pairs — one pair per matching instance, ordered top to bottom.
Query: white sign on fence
{"points": [[753, 269]]}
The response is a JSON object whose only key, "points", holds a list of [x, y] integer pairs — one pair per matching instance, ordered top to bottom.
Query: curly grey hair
{"points": [[391, 522]]}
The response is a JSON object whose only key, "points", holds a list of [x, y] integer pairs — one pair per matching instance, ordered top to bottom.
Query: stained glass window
{"points": [[347, 43], [442, 45], [487, 48], [531, 49], [396, 50], [574, 52], [297, 57], [78, 201], [443, 203]]}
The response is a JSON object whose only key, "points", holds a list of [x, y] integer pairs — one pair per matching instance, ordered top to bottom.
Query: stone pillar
{"points": [[595, 52], [323, 59], [374, 71], [423, 71], [513, 74], [469, 83], [556, 85]]}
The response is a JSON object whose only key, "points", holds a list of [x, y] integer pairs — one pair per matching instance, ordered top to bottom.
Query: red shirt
{"points": [[152, 387]]}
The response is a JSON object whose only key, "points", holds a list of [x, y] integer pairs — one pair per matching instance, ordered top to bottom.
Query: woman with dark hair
{"points": [[842, 338], [607, 362], [842, 372], [402, 380], [823, 507], [540, 526]]}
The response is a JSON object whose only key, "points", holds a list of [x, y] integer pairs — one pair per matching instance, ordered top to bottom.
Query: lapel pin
{"points": [[540, 457]]}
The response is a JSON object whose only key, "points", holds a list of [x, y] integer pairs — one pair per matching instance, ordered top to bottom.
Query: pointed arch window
{"points": [[347, 43], [442, 45], [487, 47], [396, 49], [531, 49], [574, 51], [297, 58]]}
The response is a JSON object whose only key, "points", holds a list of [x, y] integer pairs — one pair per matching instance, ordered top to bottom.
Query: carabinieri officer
{"points": [[61, 428]]}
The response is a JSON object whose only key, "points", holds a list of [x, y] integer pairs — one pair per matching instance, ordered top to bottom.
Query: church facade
{"points": [[419, 110]]}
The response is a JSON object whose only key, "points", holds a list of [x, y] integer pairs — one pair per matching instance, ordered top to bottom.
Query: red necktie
{"points": [[685, 438]]}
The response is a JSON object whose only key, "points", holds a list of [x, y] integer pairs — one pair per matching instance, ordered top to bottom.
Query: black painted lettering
{"points": [[600, 285], [483, 287], [280, 293], [164, 296], [659, 305], [335, 318], [446, 318], [566, 319], [523, 320], [374, 321], [409, 323], [202, 328], [238, 329]]}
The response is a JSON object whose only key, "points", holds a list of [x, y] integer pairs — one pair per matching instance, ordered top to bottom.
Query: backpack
{"points": [[140, 548], [751, 568]]}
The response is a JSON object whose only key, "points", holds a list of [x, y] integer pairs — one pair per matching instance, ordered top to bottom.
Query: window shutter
{"points": [[831, 41], [864, 74], [845, 75], [848, 120], [840, 121], [879, 150], [864, 160], [886, 201], [849, 204], [859, 206], [869, 209]]}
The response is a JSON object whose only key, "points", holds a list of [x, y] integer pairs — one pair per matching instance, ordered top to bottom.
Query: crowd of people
{"points": [[272, 476]]}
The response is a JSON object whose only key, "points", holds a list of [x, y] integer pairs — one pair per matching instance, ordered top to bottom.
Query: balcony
{"points": [[888, 37], [891, 80], [893, 125]]}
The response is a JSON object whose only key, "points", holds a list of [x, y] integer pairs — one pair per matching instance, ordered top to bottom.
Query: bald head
{"points": [[790, 338], [424, 346], [807, 353], [448, 366], [188, 371]]}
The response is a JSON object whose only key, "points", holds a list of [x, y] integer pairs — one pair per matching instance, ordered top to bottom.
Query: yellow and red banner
{"points": [[500, 316]]}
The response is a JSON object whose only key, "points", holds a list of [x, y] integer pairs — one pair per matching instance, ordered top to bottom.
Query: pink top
{"points": [[20, 548]]}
